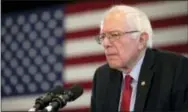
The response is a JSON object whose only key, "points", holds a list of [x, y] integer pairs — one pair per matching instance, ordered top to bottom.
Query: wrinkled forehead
{"points": [[117, 20]]}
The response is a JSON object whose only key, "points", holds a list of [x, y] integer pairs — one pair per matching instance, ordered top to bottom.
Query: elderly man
{"points": [[136, 77]]}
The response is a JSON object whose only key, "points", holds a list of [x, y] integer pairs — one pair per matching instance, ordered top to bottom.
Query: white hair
{"points": [[136, 18]]}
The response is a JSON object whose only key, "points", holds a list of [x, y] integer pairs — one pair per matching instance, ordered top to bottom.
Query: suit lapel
{"points": [[144, 81], [113, 91]]}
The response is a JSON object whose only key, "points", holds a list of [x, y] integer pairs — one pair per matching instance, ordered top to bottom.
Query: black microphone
{"points": [[60, 100], [43, 101]]}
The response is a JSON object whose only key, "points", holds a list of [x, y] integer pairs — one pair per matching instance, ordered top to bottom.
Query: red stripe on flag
{"points": [[97, 5], [167, 22], [82, 34], [179, 48], [84, 59], [87, 85]]}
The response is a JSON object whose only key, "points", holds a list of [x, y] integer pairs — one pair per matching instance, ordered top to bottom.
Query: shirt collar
{"points": [[136, 69]]}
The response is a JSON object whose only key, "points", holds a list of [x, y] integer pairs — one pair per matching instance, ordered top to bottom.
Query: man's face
{"points": [[124, 50]]}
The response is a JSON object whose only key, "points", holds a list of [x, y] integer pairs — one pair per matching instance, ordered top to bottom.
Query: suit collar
{"points": [[144, 81]]}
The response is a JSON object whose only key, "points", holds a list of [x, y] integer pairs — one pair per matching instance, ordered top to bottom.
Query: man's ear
{"points": [[143, 40]]}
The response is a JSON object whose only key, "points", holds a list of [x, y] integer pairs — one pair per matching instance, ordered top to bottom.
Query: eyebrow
{"points": [[112, 31]]}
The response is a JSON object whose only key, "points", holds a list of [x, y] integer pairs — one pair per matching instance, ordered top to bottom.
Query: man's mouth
{"points": [[110, 54]]}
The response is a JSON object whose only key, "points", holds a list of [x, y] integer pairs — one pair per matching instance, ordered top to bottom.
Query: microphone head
{"points": [[57, 90], [76, 91], [69, 94], [44, 100]]}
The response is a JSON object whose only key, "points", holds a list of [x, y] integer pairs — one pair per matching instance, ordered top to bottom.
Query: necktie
{"points": [[126, 94]]}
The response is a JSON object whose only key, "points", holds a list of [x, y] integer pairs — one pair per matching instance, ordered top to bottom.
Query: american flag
{"points": [[33, 41]]}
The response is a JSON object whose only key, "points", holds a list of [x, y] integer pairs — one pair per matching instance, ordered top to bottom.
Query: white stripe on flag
{"points": [[170, 36], [82, 46], [79, 73], [16, 103]]}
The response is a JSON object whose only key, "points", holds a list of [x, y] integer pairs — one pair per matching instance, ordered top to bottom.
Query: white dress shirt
{"points": [[134, 74]]}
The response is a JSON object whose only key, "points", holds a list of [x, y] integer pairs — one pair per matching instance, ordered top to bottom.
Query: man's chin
{"points": [[114, 65]]}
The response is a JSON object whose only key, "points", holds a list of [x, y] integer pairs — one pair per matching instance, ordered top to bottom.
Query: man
{"points": [[136, 77]]}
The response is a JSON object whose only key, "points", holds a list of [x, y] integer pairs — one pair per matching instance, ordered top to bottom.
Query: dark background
{"points": [[15, 5], [20, 5]]}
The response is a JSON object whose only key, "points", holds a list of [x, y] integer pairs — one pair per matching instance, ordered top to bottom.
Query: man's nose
{"points": [[106, 42]]}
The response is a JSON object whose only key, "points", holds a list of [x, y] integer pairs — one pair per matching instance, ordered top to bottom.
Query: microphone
{"points": [[60, 100], [43, 101]]}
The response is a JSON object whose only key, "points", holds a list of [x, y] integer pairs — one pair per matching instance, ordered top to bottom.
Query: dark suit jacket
{"points": [[166, 88]]}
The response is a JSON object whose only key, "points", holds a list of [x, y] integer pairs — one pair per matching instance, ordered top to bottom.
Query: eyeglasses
{"points": [[112, 36]]}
